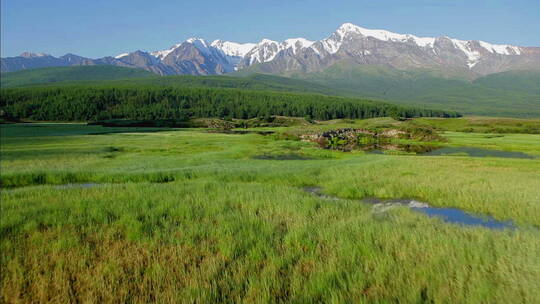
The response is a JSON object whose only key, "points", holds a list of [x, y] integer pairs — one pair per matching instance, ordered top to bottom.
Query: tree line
{"points": [[90, 103]]}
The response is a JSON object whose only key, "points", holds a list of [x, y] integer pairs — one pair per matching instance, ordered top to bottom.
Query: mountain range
{"points": [[349, 43]]}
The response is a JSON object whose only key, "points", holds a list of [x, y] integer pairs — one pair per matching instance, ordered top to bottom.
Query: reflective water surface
{"points": [[449, 215]]}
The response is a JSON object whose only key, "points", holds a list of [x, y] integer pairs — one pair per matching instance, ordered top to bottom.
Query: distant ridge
{"points": [[196, 56], [74, 73], [472, 77], [513, 94]]}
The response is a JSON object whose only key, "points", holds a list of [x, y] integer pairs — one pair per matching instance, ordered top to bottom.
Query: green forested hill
{"points": [[72, 73], [119, 76], [528, 81], [259, 82], [514, 93], [84, 103]]}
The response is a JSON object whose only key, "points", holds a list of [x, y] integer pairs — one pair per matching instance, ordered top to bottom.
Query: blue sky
{"points": [[96, 28]]}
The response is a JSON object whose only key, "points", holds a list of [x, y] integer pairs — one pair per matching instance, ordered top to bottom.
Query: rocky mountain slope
{"points": [[349, 43]]}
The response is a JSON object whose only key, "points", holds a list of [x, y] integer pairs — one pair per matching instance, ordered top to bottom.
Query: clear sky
{"points": [[96, 28]]}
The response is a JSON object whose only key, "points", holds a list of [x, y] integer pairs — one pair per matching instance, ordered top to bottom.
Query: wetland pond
{"points": [[242, 132], [393, 141], [432, 150], [477, 152], [290, 156], [449, 215]]}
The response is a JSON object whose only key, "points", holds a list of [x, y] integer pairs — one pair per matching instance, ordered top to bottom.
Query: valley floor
{"points": [[197, 217]]}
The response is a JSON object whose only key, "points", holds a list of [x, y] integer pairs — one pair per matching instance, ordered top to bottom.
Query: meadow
{"points": [[95, 214]]}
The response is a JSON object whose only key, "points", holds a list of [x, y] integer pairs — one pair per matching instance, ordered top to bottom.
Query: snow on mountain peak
{"points": [[348, 28], [384, 35], [194, 40], [267, 41], [294, 41], [297, 43], [333, 43], [200, 44], [233, 48], [501, 49], [267, 50], [264, 51], [162, 54], [33, 55], [121, 55], [473, 56]]}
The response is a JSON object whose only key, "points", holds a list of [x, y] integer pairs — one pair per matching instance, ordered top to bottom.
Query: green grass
{"points": [[70, 74], [103, 75], [512, 80], [513, 94], [484, 124], [487, 127], [189, 216]]}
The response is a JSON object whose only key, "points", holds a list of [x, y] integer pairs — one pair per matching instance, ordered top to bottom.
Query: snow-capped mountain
{"points": [[349, 42], [233, 49], [267, 50], [403, 51]]}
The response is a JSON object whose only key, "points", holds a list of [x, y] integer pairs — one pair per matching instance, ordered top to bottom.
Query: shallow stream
{"points": [[430, 150], [449, 215]]}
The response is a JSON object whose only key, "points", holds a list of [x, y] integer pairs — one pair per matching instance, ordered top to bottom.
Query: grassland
{"points": [[71, 74], [104, 75], [513, 93], [479, 124], [190, 216]]}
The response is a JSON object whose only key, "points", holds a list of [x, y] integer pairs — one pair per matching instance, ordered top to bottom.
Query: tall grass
{"points": [[191, 217], [209, 241]]}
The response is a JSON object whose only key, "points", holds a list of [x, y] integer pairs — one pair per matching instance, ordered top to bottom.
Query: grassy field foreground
{"points": [[189, 216]]}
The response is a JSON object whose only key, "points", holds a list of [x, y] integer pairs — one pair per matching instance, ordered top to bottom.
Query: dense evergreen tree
{"points": [[85, 103]]}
